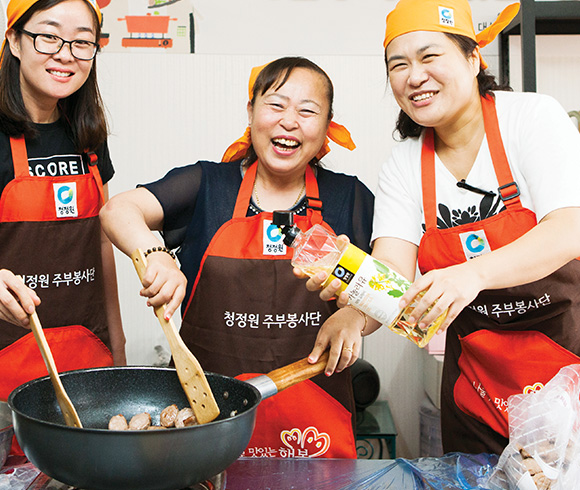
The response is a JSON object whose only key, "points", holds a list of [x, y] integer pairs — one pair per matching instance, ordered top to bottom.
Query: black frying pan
{"points": [[95, 458]]}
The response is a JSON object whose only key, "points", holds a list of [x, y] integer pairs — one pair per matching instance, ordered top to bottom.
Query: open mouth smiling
{"points": [[57, 73], [422, 97], [285, 144]]}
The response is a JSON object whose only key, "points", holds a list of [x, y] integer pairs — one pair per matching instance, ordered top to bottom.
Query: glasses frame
{"points": [[35, 35]]}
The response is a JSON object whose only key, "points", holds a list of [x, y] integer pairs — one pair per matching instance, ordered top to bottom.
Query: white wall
{"points": [[170, 109]]}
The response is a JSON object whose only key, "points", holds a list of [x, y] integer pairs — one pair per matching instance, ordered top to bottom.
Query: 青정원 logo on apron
{"points": [[65, 200], [272, 240], [474, 244]]}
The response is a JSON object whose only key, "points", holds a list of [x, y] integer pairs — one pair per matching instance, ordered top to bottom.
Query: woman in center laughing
{"points": [[245, 312]]}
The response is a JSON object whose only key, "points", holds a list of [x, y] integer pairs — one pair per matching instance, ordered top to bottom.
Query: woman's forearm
{"points": [[129, 218], [554, 242]]}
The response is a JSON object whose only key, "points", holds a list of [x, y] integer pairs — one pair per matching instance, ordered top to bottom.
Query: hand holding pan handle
{"points": [[189, 371]]}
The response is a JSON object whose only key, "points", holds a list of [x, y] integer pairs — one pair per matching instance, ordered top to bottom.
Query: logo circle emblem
{"points": [[446, 13], [65, 194], [273, 233], [474, 243], [339, 272]]}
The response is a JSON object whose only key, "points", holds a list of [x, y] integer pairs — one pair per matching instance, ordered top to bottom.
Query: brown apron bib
{"points": [[52, 229], [247, 313], [507, 341]]}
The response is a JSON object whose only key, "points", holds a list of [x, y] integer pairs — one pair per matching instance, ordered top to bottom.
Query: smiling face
{"points": [[45, 79], [431, 79], [289, 123]]}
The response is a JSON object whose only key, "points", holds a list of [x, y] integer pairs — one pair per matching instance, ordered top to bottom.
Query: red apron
{"points": [[52, 227], [247, 313], [507, 341]]}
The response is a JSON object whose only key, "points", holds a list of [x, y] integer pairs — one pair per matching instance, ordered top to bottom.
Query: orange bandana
{"points": [[17, 8], [452, 16], [336, 132]]}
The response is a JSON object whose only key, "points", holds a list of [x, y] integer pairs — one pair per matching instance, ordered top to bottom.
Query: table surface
{"points": [[311, 474]]}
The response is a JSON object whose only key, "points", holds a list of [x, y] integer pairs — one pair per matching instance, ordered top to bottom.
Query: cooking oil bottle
{"points": [[372, 286]]}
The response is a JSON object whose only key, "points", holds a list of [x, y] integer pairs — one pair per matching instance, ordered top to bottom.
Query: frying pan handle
{"points": [[296, 372]]}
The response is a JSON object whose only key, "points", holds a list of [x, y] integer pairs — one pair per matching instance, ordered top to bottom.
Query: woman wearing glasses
{"points": [[54, 169]]}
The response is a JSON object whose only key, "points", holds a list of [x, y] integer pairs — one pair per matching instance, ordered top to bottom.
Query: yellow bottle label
{"points": [[347, 266], [372, 287], [376, 289]]}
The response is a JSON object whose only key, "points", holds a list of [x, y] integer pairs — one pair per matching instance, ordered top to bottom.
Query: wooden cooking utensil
{"points": [[191, 375], [69, 413]]}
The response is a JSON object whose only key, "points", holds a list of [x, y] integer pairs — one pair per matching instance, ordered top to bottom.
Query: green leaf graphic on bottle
{"points": [[386, 279]]}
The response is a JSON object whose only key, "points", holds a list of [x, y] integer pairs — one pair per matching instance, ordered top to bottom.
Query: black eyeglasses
{"points": [[51, 44]]}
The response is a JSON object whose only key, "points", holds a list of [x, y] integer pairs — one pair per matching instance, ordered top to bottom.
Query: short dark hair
{"points": [[276, 74], [82, 111], [407, 128]]}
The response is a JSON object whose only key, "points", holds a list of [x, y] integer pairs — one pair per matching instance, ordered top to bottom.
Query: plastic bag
{"points": [[544, 448], [452, 471]]}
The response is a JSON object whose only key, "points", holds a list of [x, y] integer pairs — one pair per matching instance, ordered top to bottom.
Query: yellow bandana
{"points": [[17, 8], [452, 16], [336, 132]]}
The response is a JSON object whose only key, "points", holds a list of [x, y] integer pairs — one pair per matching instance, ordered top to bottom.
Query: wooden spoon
{"points": [[191, 375], [69, 413]]}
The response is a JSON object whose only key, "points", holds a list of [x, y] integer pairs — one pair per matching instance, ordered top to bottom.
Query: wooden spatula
{"points": [[191, 375], [69, 413]]}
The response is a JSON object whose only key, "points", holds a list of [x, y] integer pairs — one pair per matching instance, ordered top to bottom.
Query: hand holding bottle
{"points": [[371, 285], [450, 289], [332, 290]]}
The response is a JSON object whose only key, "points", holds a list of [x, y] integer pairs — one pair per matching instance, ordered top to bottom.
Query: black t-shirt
{"points": [[52, 153], [198, 199]]}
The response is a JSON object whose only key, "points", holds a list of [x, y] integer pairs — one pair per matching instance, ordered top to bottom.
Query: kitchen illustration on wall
{"points": [[147, 25]]}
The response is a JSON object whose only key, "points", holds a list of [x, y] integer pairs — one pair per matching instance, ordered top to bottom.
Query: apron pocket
{"points": [[73, 347], [495, 364], [302, 421]]}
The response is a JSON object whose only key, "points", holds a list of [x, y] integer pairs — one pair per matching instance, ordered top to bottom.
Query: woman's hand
{"points": [[128, 220], [316, 282], [163, 283], [451, 288], [17, 301], [342, 335]]}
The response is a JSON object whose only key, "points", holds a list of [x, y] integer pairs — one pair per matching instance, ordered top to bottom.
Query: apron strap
{"points": [[19, 157], [92, 164], [428, 179], [508, 189], [245, 192], [313, 201], [314, 210]]}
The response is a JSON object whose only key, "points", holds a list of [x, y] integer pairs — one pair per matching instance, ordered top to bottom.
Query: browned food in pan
{"points": [[169, 416], [185, 418], [141, 421], [118, 422]]}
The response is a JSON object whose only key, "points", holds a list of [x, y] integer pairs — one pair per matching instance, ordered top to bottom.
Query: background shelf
{"points": [[536, 18]]}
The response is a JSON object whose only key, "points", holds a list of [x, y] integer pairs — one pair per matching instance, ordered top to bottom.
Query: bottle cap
{"points": [[283, 218], [285, 221]]}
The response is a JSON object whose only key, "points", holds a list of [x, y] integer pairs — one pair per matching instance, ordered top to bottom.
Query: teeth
{"points": [[60, 73], [424, 96], [285, 142]]}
